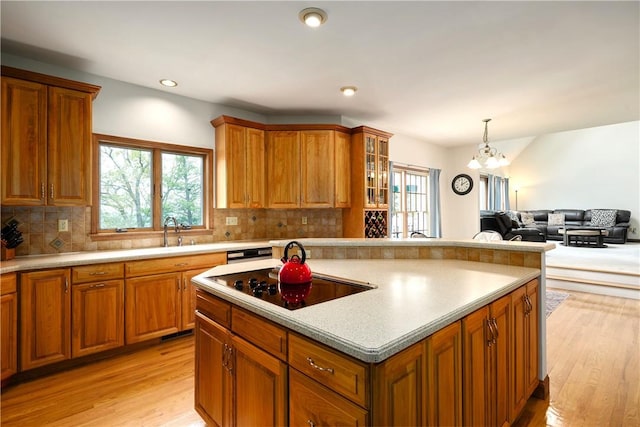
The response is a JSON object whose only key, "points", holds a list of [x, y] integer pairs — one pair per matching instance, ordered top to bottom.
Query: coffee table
{"points": [[584, 237]]}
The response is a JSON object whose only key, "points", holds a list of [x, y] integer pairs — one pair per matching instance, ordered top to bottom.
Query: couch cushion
{"points": [[571, 214], [514, 217], [603, 217], [527, 218], [556, 219], [504, 223]]}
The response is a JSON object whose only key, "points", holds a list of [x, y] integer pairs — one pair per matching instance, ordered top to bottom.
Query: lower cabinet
{"points": [[160, 298], [97, 315], [45, 317], [8, 325], [487, 336], [524, 346], [236, 383]]}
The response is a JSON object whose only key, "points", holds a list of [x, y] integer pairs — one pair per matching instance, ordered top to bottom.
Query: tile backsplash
{"points": [[39, 228]]}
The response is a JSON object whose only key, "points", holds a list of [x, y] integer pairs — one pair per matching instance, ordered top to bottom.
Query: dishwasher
{"points": [[244, 255]]}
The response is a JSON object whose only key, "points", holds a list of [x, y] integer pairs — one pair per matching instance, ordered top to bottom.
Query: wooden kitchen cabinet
{"points": [[46, 139], [240, 163], [317, 166], [283, 169], [342, 170], [370, 176], [160, 296], [97, 316], [45, 317], [8, 325], [487, 337], [524, 346], [444, 379], [236, 383], [400, 385]]}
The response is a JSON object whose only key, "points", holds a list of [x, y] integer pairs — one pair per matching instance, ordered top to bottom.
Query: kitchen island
{"points": [[403, 352]]}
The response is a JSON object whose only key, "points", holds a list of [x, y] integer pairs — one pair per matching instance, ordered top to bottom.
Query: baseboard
{"points": [[600, 289], [542, 390]]}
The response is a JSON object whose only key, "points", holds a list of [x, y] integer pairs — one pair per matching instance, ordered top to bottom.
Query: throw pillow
{"points": [[603, 217], [527, 218], [556, 219]]}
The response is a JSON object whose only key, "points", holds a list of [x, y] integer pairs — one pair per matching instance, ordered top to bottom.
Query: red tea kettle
{"points": [[294, 276]]}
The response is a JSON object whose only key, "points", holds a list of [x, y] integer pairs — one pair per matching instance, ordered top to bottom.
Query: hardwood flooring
{"points": [[593, 360]]}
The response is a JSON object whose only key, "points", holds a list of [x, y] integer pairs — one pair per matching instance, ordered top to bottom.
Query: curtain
{"points": [[495, 185], [507, 203], [435, 222]]}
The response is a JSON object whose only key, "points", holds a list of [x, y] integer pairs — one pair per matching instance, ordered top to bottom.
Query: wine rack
{"points": [[375, 224]]}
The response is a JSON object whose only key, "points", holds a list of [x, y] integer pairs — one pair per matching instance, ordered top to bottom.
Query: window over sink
{"points": [[140, 183]]}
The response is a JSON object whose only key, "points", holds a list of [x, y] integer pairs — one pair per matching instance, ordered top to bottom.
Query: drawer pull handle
{"points": [[181, 264], [98, 273], [99, 285], [319, 368], [311, 423]]}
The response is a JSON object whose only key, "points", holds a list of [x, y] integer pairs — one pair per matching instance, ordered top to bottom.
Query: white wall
{"points": [[583, 169]]}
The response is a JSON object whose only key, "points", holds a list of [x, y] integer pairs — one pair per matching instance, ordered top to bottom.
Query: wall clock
{"points": [[462, 184]]}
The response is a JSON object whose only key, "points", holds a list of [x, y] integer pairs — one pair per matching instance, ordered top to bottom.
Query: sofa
{"points": [[548, 222], [509, 228]]}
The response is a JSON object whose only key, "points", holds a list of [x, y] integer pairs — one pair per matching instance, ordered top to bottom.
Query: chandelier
{"points": [[488, 157]]}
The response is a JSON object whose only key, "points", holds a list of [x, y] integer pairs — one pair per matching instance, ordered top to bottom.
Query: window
{"points": [[140, 183], [493, 193], [410, 201]]}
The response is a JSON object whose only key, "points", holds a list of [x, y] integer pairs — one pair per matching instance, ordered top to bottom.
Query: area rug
{"points": [[554, 299]]}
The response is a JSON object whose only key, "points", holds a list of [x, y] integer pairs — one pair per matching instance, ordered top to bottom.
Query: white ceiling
{"points": [[426, 69]]}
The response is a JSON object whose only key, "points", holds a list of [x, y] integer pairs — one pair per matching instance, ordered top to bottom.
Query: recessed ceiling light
{"points": [[313, 17], [168, 83], [348, 90]]}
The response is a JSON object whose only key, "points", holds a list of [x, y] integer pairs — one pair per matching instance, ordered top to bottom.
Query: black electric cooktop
{"points": [[264, 284]]}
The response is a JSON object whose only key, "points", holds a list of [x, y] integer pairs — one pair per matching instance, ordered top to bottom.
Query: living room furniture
{"points": [[576, 218], [502, 223], [584, 237]]}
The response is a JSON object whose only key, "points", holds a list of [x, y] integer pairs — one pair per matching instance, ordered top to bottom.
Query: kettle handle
{"points": [[291, 245]]}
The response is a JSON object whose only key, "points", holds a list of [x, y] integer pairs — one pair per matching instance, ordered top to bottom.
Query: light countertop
{"points": [[70, 259], [411, 300]]}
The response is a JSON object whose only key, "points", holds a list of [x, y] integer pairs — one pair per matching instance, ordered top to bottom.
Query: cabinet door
{"points": [[24, 142], [69, 148], [235, 162], [317, 165], [255, 168], [283, 169], [342, 170], [382, 172], [370, 181], [188, 296], [152, 306], [500, 312], [45, 317], [97, 317], [9, 334], [532, 337], [519, 352], [476, 367], [444, 384], [213, 385], [400, 385], [260, 386], [312, 404]]}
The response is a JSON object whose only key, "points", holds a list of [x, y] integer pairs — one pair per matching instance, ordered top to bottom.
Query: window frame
{"points": [[156, 148]]}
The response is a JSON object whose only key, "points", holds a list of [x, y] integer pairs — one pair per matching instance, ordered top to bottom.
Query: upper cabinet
{"points": [[46, 139], [240, 163], [282, 166], [369, 184]]}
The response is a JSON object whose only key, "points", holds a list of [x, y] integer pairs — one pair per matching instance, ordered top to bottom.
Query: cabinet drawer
{"points": [[173, 264], [92, 273], [8, 283], [214, 308], [260, 332], [337, 371], [312, 404]]}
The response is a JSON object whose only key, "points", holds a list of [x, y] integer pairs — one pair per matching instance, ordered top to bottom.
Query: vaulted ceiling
{"points": [[427, 69]]}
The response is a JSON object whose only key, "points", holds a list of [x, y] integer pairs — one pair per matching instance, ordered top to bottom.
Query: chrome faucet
{"points": [[175, 227]]}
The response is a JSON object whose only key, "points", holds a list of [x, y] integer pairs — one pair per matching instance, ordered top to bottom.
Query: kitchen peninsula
{"points": [[450, 333]]}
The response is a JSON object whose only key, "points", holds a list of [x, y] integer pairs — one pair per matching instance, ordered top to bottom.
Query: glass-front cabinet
{"points": [[368, 215]]}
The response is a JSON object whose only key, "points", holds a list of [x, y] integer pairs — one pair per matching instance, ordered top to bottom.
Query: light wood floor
{"points": [[593, 360]]}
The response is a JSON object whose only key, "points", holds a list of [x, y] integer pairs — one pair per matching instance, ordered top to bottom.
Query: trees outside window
{"points": [[140, 183]]}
